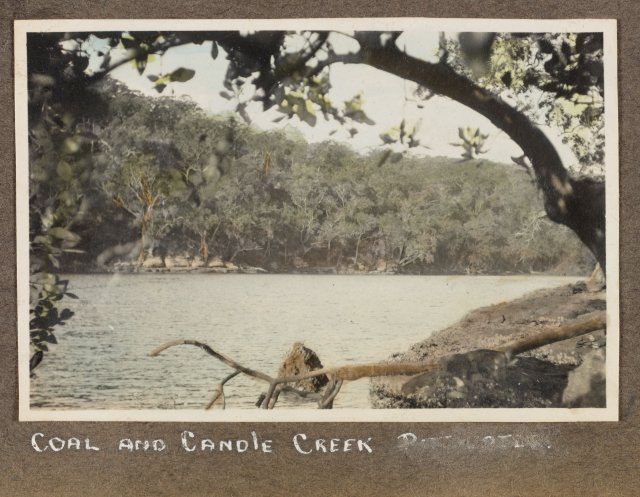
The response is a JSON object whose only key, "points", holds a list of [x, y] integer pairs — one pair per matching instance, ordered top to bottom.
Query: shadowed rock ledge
{"points": [[563, 374]]}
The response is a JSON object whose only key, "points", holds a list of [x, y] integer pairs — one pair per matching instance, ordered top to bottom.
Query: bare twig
{"points": [[219, 391], [330, 393]]}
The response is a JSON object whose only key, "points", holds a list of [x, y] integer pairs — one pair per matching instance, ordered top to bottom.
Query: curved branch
{"points": [[226, 38], [334, 58], [302, 62], [589, 322], [226, 360], [219, 391], [331, 393]]}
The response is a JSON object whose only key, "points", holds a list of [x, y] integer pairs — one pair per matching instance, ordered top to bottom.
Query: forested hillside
{"points": [[182, 185]]}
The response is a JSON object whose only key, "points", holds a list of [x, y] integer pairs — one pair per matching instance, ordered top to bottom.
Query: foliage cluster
{"points": [[554, 78], [175, 181]]}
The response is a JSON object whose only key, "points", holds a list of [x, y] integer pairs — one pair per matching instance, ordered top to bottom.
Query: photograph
{"points": [[359, 220]]}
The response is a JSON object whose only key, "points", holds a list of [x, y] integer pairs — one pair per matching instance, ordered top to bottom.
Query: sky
{"points": [[385, 100]]}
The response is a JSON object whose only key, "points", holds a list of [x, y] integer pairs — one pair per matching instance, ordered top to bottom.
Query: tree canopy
{"points": [[291, 71], [285, 204]]}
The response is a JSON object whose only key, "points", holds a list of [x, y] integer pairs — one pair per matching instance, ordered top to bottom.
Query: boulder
{"points": [[153, 262], [177, 262], [197, 262], [215, 262], [299, 262], [124, 266], [230, 266], [216, 270], [253, 270], [596, 281], [299, 360], [474, 376], [482, 378], [586, 385]]}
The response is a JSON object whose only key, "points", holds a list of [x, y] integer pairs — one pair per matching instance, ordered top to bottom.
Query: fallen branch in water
{"points": [[337, 375], [219, 391]]}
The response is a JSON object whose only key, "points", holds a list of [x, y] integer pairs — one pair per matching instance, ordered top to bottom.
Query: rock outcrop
{"points": [[299, 360], [544, 377]]}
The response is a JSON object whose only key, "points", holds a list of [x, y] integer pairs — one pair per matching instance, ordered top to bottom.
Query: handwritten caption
{"points": [[303, 444]]}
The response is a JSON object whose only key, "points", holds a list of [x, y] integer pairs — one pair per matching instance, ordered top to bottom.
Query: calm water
{"points": [[101, 360]]}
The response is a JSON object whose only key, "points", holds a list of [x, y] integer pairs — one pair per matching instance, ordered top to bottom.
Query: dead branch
{"points": [[592, 321], [587, 323], [229, 362], [330, 393]]}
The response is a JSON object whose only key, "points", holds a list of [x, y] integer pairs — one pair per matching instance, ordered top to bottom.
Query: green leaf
{"points": [[182, 75], [309, 107], [308, 118], [71, 145], [64, 171], [63, 234], [43, 240], [66, 314]]}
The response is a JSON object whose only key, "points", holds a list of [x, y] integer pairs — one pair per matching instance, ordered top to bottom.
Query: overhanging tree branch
{"points": [[578, 204]]}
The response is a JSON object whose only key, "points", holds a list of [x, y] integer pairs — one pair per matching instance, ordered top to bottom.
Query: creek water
{"points": [[101, 360]]}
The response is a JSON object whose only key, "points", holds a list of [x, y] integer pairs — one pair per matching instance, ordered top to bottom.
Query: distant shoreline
{"points": [[311, 271]]}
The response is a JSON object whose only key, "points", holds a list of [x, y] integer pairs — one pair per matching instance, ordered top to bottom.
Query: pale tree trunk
{"points": [[204, 247]]}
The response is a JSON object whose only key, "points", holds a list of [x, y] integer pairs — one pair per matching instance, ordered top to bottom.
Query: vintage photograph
{"points": [[317, 220]]}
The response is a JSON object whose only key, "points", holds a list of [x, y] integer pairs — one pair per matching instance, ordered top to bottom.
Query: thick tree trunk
{"points": [[355, 259]]}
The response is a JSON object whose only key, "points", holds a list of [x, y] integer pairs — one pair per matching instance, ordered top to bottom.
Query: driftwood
{"points": [[337, 375], [219, 390]]}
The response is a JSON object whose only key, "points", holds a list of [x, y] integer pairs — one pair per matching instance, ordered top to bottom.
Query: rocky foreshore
{"points": [[180, 264], [185, 264], [569, 373]]}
